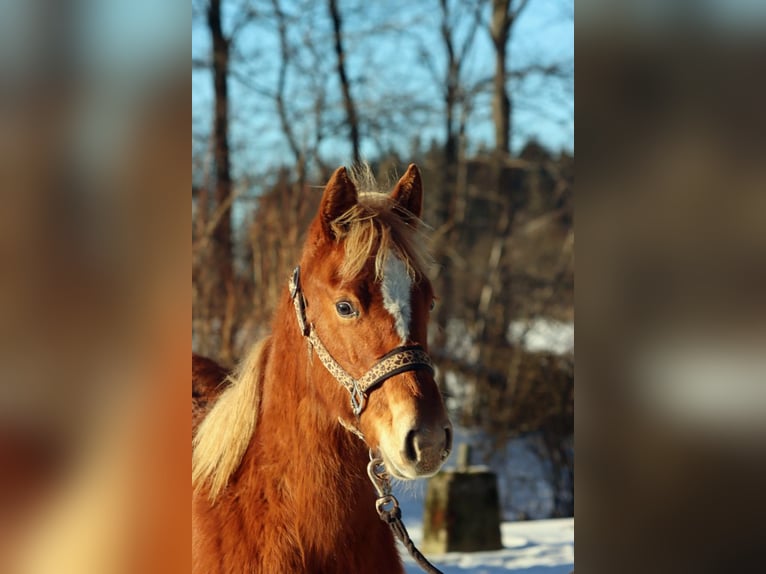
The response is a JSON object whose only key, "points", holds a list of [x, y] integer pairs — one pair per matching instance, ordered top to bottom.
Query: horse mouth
{"points": [[395, 470], [406, 471]]}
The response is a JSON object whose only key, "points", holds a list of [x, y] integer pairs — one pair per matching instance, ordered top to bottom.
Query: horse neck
{"points": [[296, 383], [318, 458]]}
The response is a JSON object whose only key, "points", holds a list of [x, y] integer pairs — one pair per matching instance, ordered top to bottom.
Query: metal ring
{"points": [[378, 478], [381, 502]]}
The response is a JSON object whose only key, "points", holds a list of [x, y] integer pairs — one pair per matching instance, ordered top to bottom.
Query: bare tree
{"points": [[505, 13], [456, 41], [285, 56], [450, 79], [348, 100], [222, 247], [215, 290]]}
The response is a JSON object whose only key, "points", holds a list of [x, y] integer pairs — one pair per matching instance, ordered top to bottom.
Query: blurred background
{"points": [[479, 94]]}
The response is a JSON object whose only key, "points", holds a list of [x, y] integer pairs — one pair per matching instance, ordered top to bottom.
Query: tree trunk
{"points": [[500, 29], [348, 101], [501, 104], [284, 120], [444, 197], [444, 214], [221, 240]]}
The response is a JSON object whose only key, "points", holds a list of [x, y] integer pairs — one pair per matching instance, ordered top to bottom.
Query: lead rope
{"points": [[388, 509]]}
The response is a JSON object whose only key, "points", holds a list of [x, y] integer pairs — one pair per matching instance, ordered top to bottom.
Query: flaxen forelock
{"points": [[377, 226]]}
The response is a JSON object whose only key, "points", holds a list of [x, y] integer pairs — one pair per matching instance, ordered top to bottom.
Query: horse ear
{"points": [[408, 192], [339, 196]]}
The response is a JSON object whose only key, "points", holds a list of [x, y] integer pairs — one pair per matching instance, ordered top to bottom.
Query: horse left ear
{"points": [[408, 192], [339, 196]]}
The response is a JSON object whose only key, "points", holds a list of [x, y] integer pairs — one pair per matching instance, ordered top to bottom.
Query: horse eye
{"points": [[433, 304], [345, 309]]}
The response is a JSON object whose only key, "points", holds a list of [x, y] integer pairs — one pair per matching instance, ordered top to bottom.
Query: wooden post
{"points": [[462, 511]]}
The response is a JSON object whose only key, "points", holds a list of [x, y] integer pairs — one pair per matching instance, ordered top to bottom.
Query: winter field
{"points": [[530, 546]]}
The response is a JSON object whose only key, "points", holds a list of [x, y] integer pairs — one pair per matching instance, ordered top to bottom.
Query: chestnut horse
{"points": [[278, 465]]}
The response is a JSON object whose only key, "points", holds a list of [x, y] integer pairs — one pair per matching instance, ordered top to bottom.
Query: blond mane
{"points": [[224, 434]]}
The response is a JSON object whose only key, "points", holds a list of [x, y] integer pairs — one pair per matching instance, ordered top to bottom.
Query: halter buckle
{"points": [[295, 281], [298, 301], [358, 400]]}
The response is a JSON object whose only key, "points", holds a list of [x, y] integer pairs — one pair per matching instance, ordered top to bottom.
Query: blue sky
{"points": [[381, 62]]}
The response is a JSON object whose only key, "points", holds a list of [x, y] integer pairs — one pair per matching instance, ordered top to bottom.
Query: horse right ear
{"points": [[408, 192], [339, 196]]}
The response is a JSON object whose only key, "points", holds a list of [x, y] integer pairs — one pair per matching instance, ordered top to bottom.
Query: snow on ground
{"points": [[543, 334], [535, 335], [531, 547]]}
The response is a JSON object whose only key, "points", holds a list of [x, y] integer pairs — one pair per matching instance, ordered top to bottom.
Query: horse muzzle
{"points": [[417, 451]]}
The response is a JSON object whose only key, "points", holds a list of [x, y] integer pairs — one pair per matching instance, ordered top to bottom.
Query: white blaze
{"points": [[397, 289]]}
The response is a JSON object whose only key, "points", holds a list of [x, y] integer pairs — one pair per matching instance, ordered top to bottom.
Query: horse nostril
{"points": [[448, 442], [409, 447]]}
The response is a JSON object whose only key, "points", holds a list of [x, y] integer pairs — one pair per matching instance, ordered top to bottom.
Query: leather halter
{"points": [[396, 361]]}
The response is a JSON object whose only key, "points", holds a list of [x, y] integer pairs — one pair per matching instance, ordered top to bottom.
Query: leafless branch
{"points": [[245, 16], [201, 64], [203, 240]]}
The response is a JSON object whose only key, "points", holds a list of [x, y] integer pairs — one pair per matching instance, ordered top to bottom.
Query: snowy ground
{"points": [[531, 547]]}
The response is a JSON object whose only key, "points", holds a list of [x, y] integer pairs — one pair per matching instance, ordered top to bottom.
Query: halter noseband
{"points": [[396, 361]]}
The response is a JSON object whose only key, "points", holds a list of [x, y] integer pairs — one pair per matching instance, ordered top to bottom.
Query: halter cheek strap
{"points": [[396, 361]]}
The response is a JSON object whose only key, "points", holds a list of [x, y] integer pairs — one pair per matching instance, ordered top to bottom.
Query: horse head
{"points": [[365, 301]]}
